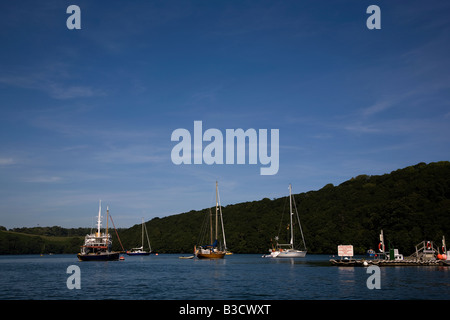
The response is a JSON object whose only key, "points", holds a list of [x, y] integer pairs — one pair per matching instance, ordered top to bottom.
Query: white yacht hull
{"points": [[289, 254]]}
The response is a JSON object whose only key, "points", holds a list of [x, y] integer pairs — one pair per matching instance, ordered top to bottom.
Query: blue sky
{"points": [[88, 114]]}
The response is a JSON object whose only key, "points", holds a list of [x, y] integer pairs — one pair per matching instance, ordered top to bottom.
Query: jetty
{"points": [[426, 254], [387, 262]]}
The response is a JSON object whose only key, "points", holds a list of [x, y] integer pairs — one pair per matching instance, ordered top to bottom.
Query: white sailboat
{"points": [[140, 250], [288, 250]]}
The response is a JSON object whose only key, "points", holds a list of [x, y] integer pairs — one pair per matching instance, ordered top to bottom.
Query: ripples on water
{"points": [[237, 277]]}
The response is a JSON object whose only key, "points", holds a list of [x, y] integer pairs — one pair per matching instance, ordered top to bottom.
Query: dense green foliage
{"points": [[410, 205], [54, 231], [21, 243]]}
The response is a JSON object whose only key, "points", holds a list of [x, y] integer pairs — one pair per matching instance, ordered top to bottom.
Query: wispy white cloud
{"points": [[53, 79], [69, 92], [377, 107], [359, 127], [132, 154], [7, 161], [43, 179]]}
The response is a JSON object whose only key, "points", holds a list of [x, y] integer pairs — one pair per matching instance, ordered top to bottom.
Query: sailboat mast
{"points": [[217, 212], [291, 214], [221, 220], [210, 226], [142, 233]]}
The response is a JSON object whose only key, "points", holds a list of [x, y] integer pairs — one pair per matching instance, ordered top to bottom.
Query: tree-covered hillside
{"points": [[410, 205], [25, 243]]}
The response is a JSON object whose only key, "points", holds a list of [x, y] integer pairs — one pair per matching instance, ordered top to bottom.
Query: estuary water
{"points": [[237, 277]]}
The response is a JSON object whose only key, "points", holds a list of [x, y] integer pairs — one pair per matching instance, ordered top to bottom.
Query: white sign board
{"points": [[345, 251]]}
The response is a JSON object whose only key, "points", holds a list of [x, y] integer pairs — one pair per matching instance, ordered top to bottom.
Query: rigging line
{"points": [[282, 215], [299, 224], [116, 232], [204, 232], [203, 235], [148, 240]]}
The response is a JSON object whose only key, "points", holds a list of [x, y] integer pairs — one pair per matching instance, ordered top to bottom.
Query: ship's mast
{"points": [[291, 214], [107, 217], [221, 220], [99, 221], [210, 226], [142, 233]]}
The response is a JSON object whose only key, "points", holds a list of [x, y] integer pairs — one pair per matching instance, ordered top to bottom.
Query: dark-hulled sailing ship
{"points": [[97, 245]]}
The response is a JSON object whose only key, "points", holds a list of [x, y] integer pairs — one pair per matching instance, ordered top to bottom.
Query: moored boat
{"points": [[97, 245], [214, 249], [288, 250], [140, 251], [291, 253], [210, 254], [99, 256]]}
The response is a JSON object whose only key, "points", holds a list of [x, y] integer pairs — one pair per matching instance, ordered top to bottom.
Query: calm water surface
{"points": [[237, 277]]}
